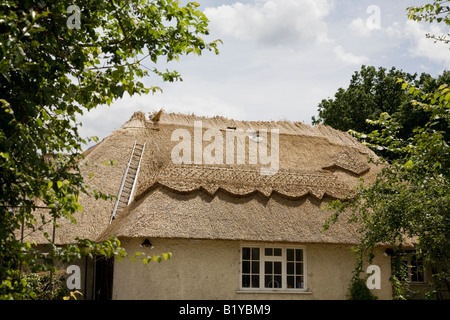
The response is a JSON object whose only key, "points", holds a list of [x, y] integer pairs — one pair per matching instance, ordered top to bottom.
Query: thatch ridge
{"points": [[284, 126], [244, 181]]}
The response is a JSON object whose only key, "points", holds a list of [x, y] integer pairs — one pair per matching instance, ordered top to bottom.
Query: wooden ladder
{"points": [[129, 180]]}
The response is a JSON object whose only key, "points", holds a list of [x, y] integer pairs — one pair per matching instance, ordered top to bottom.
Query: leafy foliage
{"points": [[438, 11], [50, 74], [372, 92], [409, 200], [46, 287], [359, 291]]}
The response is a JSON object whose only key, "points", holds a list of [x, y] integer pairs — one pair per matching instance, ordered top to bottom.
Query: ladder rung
{"points": [[128, 185], [121, 194]]}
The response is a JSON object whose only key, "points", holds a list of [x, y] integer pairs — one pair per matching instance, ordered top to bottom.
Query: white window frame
{"points": [[282, 259], [409, 267]]}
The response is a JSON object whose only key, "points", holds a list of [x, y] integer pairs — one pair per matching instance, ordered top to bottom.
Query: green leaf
{"points": [[5, 155], [408, 165]]}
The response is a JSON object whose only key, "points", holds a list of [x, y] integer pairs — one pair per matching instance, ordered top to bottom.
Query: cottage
{"points": [[235, 230]]}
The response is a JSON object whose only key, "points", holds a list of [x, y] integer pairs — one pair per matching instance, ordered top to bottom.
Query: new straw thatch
{"points": [[221, 201]]}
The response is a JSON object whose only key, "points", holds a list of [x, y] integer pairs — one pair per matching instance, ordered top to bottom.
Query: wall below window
{"points": [[210, 269]]}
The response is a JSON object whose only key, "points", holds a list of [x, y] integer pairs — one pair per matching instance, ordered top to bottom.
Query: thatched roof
{"points": [[229, 201]]}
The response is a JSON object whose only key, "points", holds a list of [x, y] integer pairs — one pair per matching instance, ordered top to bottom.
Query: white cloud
{"points": [[273, 21], [359, 27], [394, 30], [425, 47], [348, 57], [296, 67], [177, 101]]}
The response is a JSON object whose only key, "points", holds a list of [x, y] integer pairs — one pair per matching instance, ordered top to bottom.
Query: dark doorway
{"points": [[104, 268]]}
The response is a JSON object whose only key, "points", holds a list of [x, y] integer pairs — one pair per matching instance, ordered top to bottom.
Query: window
{"points": [[250, 267], [273, 268], [294, 268], [415, 269]]}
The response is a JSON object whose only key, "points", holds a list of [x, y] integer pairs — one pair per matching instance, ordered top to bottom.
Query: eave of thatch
{"points": [[164, 213]]}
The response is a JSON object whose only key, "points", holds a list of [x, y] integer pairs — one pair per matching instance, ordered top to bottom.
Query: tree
{"points": [[438, 11], [56, 62], [372, 92], [369, 93], [409, 199]]}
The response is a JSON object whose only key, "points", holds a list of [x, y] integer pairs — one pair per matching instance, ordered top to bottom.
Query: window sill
{"points": [[273, 291]]}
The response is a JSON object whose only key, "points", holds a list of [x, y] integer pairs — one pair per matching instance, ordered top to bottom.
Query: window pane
{"points": [[268, 252], [277, 252], [246, 253], [255, 253], [290, 254], [299, 255], [245, 266], [255, 267], [268, 267], [277, 267], [290, 268], [299, 268], [420, 277], [246, 281], [255, 281], [277, 282], [290, 282], [299, 282], [268, 283]]}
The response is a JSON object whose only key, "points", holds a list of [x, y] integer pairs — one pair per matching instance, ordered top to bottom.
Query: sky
{"points": [[280, 58]]}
